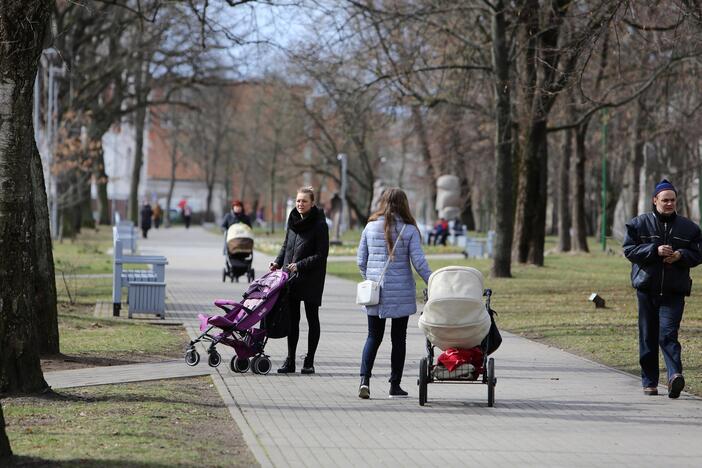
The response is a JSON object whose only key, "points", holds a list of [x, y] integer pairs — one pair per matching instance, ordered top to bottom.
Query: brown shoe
{"points": [[676, 385], [651, 391]]}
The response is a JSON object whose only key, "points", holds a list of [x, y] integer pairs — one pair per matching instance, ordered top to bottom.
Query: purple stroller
{"points": [[237, 326]]}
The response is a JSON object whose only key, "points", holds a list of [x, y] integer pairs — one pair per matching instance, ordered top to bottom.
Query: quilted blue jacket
{"points": [[397, 292]]}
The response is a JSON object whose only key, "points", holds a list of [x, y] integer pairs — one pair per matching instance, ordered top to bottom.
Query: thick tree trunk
{"points": [[23, 26], [423, 138], [578, 190], [528, 197], [504, 208], [538, 222], [564, 223], [44, 279], [5, 449]]}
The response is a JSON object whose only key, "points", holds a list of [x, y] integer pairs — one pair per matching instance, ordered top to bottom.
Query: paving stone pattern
{"points": [[552, 408]]}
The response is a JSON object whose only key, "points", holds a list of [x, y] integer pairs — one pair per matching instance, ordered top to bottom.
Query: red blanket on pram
{"points": [[454, 357]]}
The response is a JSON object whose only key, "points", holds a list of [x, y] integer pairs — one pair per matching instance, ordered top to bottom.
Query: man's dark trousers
{"points": [[659, 321]]}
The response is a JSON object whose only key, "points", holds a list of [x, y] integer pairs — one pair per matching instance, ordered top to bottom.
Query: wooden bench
{"points": [[146, 289]]}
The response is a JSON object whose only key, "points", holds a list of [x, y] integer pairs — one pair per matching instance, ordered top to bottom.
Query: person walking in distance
{"points": [[146, 213], [392, 226], [662, 247], [304, 253]]}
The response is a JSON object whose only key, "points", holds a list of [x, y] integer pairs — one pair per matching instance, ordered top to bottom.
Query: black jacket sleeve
{"points": [[636, 251], [321, 253], [692, 254], [281, 255]]}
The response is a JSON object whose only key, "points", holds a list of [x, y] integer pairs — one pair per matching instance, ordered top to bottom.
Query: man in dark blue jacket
{"points": [[662, 247]]}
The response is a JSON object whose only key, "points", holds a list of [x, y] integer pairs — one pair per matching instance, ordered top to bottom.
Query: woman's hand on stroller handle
{"points": [[273, 266]]}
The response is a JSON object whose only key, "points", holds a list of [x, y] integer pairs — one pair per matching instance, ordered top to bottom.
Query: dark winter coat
{"points": [[146, 214], [232, 218], [644, 234], [307, 245]]}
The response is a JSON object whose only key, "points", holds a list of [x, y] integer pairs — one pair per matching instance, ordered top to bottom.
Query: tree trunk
{"points": [[23, 26], [139, 124], [421, 130], [637, 145], [174, 165], [578, 190], [528, 197], [504, 208], [538, 221], [564, 223], [44, 278], [5, 449]]}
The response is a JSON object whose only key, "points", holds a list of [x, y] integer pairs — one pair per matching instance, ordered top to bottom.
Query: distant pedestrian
{"points": [[146, 214], [187, 214], [158, 215], [235, 215], [392, 225], [662, 247], [304, 253]]}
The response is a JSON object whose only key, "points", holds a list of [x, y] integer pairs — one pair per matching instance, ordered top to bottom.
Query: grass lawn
{"points": [[271, 243], [86, 254], [550, 304], [87, 341], [180, 422]]}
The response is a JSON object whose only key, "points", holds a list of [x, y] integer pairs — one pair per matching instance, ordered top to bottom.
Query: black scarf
{"points": [[664, 218], [299, 224]]}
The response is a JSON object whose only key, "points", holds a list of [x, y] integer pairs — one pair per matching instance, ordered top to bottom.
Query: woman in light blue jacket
{"points": [[397, 291]]}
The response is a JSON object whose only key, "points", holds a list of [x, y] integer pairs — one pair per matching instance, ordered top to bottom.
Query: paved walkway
{"points": [[552, 408]]}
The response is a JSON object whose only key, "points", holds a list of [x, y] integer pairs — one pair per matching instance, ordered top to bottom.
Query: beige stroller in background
{"points": [[239, 240], [455, 316]]}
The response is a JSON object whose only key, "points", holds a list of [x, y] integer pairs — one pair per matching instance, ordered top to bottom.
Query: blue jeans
{"points": [[659, 322], [398, 336]]}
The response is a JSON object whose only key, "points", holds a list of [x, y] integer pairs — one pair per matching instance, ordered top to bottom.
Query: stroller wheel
{"points": [[192, 357], [214, 359], [239, 365], [261, 365], [423, 380], [491, 381]]}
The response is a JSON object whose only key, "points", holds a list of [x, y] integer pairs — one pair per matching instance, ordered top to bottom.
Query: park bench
{"points": [[127, 233], [479, 247], [146, 289]]}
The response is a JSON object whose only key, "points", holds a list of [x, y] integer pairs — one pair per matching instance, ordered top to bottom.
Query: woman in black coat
{"points": [[146, 214], [304, 252]]}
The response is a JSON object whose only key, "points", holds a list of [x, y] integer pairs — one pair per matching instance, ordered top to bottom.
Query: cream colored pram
{"points": [[455, 316]]}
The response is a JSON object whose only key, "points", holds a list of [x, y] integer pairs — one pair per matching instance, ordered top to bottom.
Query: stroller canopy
{"points": [[240, 238], [454, 315]]}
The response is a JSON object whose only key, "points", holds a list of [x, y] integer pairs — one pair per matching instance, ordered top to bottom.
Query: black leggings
{"points": [[312, 313]]}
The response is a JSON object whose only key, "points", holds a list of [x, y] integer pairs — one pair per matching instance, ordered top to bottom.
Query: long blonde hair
{"points": [[393, 202]]}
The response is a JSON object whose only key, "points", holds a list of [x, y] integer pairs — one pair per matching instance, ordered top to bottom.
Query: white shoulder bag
{"points": [[368, 291]]}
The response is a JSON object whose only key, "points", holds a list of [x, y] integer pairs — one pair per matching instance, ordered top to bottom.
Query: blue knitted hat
{"points": [[664, 185]]}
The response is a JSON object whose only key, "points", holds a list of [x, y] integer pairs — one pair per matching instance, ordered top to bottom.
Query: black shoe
{"points": [[308, 365], [288, 366], [676, 385], [364, 388], [396, 391]]}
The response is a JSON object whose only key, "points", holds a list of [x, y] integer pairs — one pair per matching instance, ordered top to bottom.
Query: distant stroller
{"points": [[239, 253], [454, 316], [237, 326]]}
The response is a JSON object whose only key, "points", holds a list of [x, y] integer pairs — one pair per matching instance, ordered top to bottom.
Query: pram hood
{"points": [[239, 231], [240, 238], [455, 315]]}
